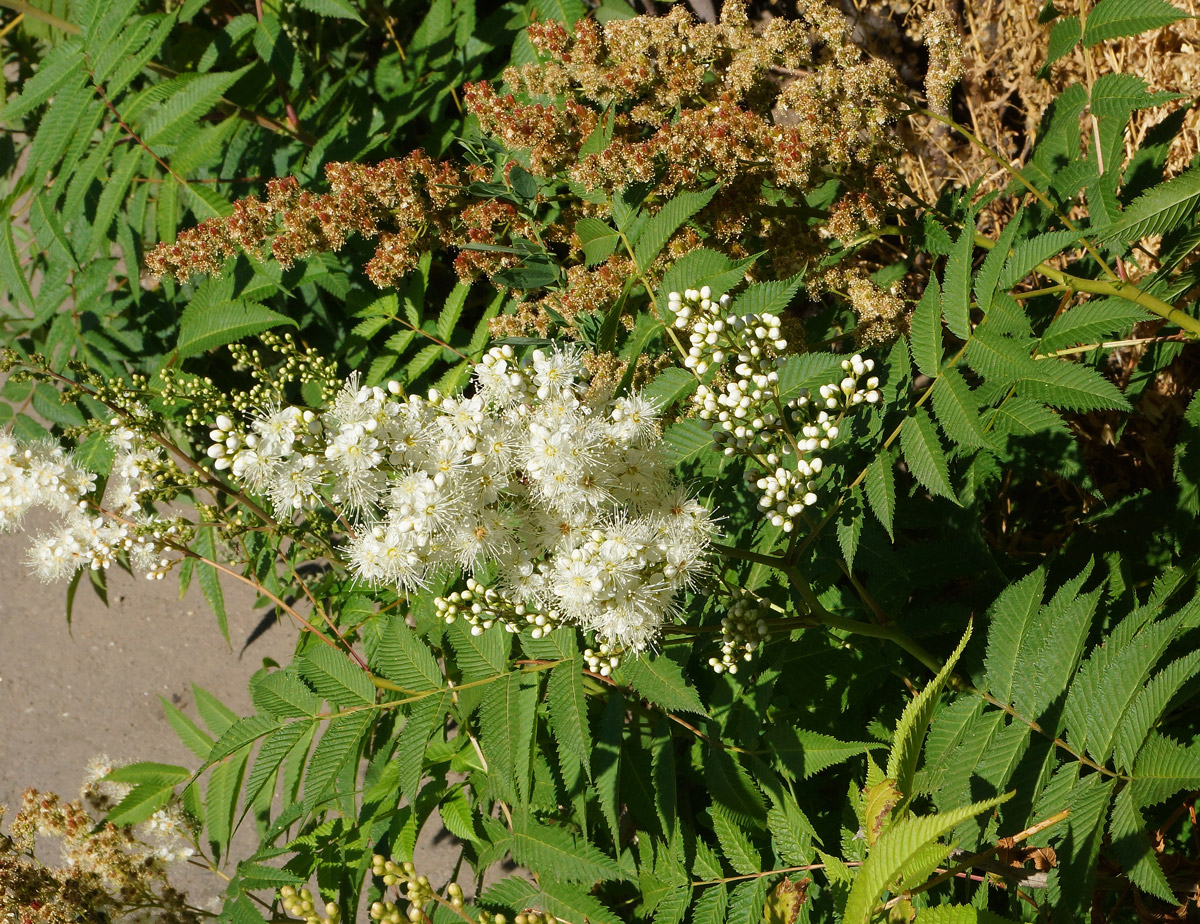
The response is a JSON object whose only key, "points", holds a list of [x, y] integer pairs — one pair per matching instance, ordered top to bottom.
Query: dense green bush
{"points": [[666, 495]]}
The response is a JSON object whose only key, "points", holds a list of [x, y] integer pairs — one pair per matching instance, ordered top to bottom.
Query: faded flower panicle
{"points": [[945, 69], [767, 115], [400, 201], [880, 313], [562, 488], [106, 873]]}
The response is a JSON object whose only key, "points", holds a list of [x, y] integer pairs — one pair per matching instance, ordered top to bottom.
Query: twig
{"points": [[976, 858]]}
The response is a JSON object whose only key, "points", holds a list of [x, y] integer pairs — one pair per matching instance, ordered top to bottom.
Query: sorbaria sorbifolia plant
{"points": [[667, 496]]}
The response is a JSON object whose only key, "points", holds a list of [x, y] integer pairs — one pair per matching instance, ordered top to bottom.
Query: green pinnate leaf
{"points": [[343, 9], [1111, 19], [1064, 36], [62, 63], [184, 100], [1157, 211], [666, 221], [598, 240], [1029, 253], [704, 267], [987, 280], [956, 284], [767, 297], [1090, 321], [204, 327], [925, 330], [1071, 387], [957, 411], [924, 454], [1187, 458], [880, 486], [1010, 618], [1055, 642], [480, 656], [403, 657], [337, 678], [660, 680], [1118, 683], [282, 694], [1148, 707], [568, 711], [216, 715], [424, 718], [508, 720], [914, 723], [188, 731], [240, 735], [275, 747], [336, 749], [802, 753], [1163, 768], [148, 773], [733, 790], [221, 800], [139, 804], [1127, 832], [735, 843], [896, 846], [552, 851], [710, 907], [960, 914]]}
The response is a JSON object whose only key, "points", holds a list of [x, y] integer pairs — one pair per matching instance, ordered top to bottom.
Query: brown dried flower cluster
{"points": [[665, 103], [681, 104], [402, 202], [106, 874]]}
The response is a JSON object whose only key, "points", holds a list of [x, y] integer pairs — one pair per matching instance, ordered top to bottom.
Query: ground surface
{"points": [[69, 694]]}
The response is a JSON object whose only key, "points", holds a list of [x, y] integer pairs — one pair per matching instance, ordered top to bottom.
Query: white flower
{"points": [[555, 372], [277, 430], [294, 483]]}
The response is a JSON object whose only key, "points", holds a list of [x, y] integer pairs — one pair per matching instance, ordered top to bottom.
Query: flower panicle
{"points": [[562, 490]]}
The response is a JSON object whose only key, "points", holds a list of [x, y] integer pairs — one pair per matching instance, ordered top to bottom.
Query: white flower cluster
{"points": [[745, 410], [40, 474], [43, 474], [563, 489], [743, 632]]}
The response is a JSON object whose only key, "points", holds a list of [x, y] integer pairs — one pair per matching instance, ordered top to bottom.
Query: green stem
{"points": [[20, 6], [1116, 287], [891, 633]]}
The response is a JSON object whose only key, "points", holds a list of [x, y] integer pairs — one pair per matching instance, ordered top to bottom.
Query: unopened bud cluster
{"points": [[745, 411], [43, 474], [563, 489], [483, 607], [743, 632], [603, 660], [418, 893], [299, 903]]}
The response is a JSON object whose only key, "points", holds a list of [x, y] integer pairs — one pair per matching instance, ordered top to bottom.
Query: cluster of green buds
{"points": [[483, 607], [743, 632], [418, 893], [299, 903]]}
